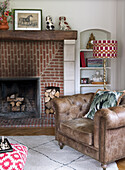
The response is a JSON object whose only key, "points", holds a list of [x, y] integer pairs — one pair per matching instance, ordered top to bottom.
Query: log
{"points": [[48, 90], [53, 92], [46, 94], [57, 94], [13, 96], [51, 96], [15, 99], [19, 99], [47, 99], [9, 100], [18, 103], [12, 104], [48, 104], [22, 108], [15, 109], [47, 111], [51, 111]]}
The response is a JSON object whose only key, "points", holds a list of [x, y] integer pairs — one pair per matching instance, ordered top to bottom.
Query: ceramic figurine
{"points": [[49, 23], [63, 24], [97, 77]]}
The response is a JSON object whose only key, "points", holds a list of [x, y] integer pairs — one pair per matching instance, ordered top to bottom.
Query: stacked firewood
{"points": [[49, 95], [16, 103]]}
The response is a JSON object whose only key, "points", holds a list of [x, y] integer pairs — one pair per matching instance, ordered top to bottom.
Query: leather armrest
{"points": [[112, 118]]}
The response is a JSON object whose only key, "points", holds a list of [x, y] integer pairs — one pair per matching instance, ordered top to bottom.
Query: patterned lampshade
{"points": [[105, 49]]}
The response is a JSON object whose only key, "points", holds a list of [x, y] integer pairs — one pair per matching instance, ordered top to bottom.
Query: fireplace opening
{"points": [[20, 98]]}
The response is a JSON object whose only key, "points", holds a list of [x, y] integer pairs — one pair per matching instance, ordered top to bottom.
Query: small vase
{"points": [[4, 24]]}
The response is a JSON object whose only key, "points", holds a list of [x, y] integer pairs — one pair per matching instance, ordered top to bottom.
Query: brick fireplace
{"points": [[40, 58], [33, 59]]}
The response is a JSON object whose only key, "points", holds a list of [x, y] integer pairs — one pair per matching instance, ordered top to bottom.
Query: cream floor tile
{"points": [[32, 141], [52, 150], [37, 161], [87, 163], [65, 168]]}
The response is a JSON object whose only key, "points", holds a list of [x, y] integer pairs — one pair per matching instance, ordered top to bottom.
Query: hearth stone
{"points": [[15, 115]]}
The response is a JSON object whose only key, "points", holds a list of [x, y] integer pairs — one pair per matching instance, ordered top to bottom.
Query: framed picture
{"points": [[27, 19], [84, 81]]}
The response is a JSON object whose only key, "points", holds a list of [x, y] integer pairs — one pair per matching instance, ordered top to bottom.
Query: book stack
{"points": [[94, 62]]}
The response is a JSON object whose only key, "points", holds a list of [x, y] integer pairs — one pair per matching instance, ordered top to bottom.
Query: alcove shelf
{"points": [[87, 72]]}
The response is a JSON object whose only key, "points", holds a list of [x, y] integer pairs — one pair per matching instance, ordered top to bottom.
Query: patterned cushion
{"points": [[104, 99], [14, 160]]}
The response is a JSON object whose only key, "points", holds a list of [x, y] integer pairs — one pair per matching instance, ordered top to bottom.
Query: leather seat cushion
{"points": [[80, 130]]}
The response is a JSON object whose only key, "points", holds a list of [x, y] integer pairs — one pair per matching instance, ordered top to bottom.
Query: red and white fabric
{"points": [[14, 160]]}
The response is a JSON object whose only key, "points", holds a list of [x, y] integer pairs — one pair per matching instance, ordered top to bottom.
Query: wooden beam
{"points": [[38, 35], [26, 131]]}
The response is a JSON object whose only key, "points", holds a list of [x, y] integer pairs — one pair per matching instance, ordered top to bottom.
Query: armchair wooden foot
{"points": [[61, 145], [104, 166]]}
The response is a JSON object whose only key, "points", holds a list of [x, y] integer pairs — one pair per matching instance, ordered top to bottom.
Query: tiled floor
{"points": [[45, 154]]}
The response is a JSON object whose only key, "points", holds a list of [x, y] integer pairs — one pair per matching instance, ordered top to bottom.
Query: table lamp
{"points": [[104, 49]]}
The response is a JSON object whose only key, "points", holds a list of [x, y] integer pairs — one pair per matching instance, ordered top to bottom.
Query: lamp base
{"points": [[104, 73]]}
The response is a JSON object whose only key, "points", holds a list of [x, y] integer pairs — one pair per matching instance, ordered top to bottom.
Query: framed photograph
{"points": [[27, 19], [84, 81]]}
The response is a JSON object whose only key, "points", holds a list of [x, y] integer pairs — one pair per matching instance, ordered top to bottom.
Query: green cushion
{"points": [[104, 99]]}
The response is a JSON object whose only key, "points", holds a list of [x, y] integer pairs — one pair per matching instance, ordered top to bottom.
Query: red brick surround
{"points": [[33, 59]]}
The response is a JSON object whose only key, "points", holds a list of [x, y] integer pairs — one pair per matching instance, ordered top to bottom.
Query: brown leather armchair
{"points": [[102, 138]]}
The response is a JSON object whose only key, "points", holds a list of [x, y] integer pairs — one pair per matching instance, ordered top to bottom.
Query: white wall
{"points": [[81, 15], [120, 32]]}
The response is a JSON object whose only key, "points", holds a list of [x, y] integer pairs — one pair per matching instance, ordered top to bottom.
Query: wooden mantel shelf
{"points": [[38, 35]]}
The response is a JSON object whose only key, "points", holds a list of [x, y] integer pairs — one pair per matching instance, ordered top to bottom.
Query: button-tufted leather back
{"points": [[71, 107]]}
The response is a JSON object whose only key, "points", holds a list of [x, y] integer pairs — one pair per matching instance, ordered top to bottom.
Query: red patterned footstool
{"points": [[14, 160]]}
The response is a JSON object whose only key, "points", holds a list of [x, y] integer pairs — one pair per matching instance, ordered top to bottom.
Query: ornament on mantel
{"points": [[5, 15], [3, 23], [49, 23], [63, 24]]}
